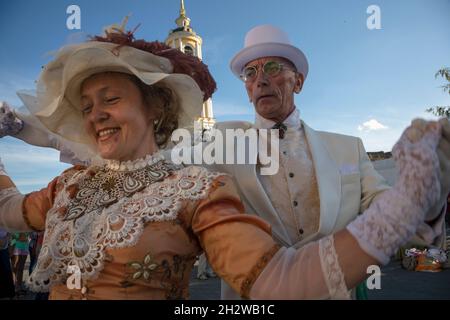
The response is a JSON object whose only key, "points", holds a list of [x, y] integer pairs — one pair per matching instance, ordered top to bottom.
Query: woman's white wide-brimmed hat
{"points": [[268, 41], [59, 85]]}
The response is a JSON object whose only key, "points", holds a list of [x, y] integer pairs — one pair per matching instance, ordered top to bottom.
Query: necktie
{"points": [[282, 129]]}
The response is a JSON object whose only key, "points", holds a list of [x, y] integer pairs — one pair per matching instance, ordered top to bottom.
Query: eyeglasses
{"points": [[270, 68]]}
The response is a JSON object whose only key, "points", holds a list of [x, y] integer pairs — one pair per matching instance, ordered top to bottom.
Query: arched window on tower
{"points": [[188, 50]]}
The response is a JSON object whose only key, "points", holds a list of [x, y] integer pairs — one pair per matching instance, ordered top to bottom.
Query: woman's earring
{"points": [[157, 124]]}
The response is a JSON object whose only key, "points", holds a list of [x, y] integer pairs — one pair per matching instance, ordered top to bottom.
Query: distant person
{"points": [[20, 253], [204, 270], [6, 276]]}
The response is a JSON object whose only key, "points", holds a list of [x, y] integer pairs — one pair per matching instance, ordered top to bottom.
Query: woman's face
{"points": [[116, 118]]}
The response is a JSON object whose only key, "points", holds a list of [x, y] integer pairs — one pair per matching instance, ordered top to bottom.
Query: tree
{"points": [[442, 111]]}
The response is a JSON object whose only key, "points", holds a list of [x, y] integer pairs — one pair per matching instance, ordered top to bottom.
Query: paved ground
{"points": [[396, 283], [204, 289]]}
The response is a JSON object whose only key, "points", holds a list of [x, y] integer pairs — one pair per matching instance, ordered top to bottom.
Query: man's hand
{"points": [[9, 123]]}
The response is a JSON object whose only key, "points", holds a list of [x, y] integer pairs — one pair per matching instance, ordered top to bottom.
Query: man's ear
{"points": [[298, 82]]}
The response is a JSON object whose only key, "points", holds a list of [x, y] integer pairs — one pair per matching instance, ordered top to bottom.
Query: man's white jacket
{"points": [[347, 184]]}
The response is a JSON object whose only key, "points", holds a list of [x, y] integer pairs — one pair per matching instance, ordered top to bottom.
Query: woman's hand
{"points": [[9, 123], [443, 152], [417, 161], [393, 217]]}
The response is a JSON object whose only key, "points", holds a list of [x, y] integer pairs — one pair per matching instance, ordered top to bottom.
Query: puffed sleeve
{"points": [[36, 204], [20, 212], [238, 246], [241, 251]]}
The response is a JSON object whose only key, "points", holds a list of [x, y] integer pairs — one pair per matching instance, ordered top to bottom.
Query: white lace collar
{"points": [[130, 165]]}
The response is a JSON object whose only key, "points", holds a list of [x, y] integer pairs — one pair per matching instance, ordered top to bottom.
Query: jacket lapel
{"points": [[328, 182], [255, 196]]}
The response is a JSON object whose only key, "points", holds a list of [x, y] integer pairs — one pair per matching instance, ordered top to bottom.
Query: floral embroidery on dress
{"points": [[101, 187], [82, 241], [144, 269], [169, 273]]}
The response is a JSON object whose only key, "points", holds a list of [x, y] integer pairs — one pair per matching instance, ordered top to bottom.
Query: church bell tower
{"points": [[184, 38]]}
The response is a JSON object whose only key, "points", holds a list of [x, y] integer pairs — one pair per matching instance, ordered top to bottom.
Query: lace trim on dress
{"points": [[134, 164], [102, 187], [80, 242], [332, 273]]}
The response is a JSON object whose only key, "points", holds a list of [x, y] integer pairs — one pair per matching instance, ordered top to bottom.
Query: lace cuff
{"points": [[9, 123], [386, 225], [332, 272], [306, 273]]}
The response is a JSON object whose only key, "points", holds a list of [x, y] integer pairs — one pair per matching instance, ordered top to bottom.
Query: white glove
{"points": [[9, 123], [443, 151], [444, 162], [393, 217]]}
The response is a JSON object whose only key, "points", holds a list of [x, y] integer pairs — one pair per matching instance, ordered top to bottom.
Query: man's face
{"points": [[273, 96]]}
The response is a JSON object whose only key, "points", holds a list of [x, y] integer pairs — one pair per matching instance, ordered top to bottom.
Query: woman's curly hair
{"points": [[160, 97], [165, 106]]}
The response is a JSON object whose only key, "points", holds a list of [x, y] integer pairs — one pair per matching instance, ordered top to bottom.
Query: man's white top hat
{"points": [[268, 41]]}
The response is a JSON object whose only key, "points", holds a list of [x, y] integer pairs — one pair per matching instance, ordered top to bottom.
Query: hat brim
{"points": [[271, 49], [60, 83], [79, 151]]}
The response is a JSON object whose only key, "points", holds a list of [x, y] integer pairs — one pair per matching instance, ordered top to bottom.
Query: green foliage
{"points": [[442, 111]]}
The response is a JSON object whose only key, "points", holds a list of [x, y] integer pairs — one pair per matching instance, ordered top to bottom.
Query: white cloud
{"points": [[371, 125]]}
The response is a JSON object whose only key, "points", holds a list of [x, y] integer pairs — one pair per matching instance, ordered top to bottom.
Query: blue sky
{"points": [[367, 83]]}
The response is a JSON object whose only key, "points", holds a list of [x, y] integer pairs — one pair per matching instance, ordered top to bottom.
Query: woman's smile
{"points": [[106, 134]]}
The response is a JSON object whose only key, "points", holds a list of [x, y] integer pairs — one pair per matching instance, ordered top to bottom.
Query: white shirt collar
{"points": [[292, 121]]}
